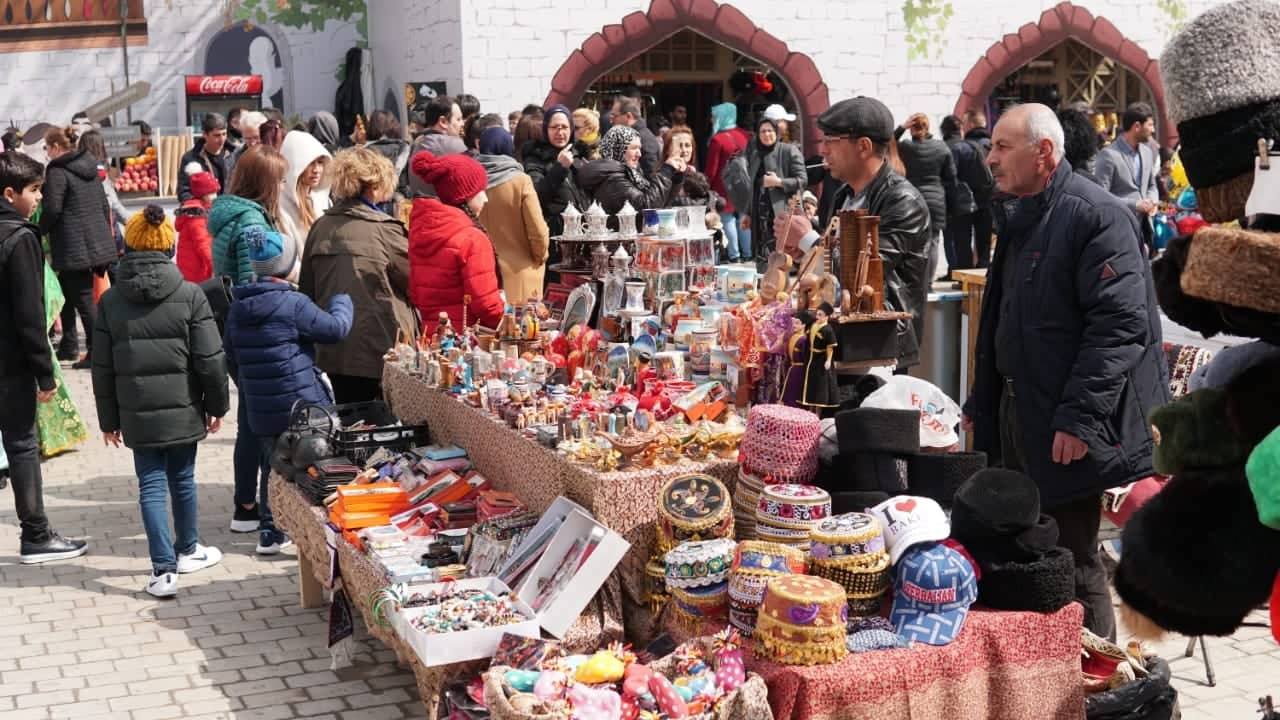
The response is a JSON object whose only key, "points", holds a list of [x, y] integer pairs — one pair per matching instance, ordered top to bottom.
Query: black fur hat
{"points": [[879, 430], [938, 475], [996, 515], [1196, 559], [1046, 584]]}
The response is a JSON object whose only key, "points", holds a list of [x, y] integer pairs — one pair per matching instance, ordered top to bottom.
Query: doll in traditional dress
{"points": [[771, 336], [797, 356], [821, 394]]}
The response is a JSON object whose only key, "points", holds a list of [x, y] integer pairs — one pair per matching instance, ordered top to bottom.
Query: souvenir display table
{"points": [[621, 500], [362, 579]]}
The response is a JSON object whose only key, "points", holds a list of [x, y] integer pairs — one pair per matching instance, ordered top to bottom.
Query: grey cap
{"points": [[1225, 58], [858, 117]]}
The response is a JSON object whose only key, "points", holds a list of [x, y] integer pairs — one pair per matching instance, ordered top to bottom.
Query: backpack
{"points": [[737, 181]]}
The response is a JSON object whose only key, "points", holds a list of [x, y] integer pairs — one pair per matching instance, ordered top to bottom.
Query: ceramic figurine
{"points": [[529, 322], [445, 337], [820, 392]]}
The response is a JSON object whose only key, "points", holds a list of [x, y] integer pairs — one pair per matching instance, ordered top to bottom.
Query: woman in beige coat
{"points": [[513, 218]]}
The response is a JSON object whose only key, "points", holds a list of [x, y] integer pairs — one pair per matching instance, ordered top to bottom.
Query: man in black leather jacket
{"points": [[854, 147]]}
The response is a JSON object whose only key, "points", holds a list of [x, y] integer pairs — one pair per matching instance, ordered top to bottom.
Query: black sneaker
{"points": [[68, 355], [83, 363], [245, 521], [272, 541], [55, 548]]}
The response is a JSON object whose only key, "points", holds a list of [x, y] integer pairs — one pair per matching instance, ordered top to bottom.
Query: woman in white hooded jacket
{"points": [[306, 192]]}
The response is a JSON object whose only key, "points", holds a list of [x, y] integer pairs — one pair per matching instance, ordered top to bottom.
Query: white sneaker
{"points": [[271, 542], [199, 558], [164, 585]]}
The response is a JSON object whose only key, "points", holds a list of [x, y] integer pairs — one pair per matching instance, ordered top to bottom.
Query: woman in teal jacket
{"points": [[252, 200]]}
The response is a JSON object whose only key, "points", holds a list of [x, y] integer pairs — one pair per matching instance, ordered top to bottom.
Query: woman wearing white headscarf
{"points": [[616, 178], [306, 192]]}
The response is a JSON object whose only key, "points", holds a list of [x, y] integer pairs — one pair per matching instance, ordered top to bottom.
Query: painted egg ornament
{"points": [[603, 667], [730, 672], [521, 680], [635, 682], [550, 685], [685, 692], [669, 701], [595, 704], [630, 710]]}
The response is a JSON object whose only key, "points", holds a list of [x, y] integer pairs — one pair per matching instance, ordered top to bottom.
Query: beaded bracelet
{"points": [[467, 610]]}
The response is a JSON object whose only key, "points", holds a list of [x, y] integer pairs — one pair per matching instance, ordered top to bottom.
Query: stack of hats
{"points": [[780, 444], [874, 444], [746, 495], [691, 507], [786, 514], [997, 518], [849, 550], [754, 565], [697, 576], [933, 589], [802, 621]]}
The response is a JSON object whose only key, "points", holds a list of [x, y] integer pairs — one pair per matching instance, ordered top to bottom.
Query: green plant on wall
{"points": [[299, 14], [1175, 14], [926, 22]]}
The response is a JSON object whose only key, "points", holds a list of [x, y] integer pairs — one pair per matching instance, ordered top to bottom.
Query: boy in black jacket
{"points": [[26, 362]]}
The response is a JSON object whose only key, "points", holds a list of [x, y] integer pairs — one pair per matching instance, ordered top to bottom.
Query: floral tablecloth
{"points": [[625, 501], [1004, 666]]}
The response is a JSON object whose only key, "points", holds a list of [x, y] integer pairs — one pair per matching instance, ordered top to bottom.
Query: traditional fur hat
{"points": [[1221, 76], [1235, 267], [1204, 316], [1194, 432], [938, 475], [996, 516], [1201, 582], [1046, 584]]}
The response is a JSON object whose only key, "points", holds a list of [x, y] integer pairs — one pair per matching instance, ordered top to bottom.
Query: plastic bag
{"points": [[939, 414]]}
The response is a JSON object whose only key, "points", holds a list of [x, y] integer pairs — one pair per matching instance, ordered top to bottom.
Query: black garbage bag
{"points": [[1148, 698]]}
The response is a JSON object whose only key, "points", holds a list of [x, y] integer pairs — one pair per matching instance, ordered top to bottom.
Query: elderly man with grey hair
{"points": [[1069, 359]]}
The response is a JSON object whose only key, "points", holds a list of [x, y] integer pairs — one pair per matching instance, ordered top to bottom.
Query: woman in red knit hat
{"points": [[451, 259]]}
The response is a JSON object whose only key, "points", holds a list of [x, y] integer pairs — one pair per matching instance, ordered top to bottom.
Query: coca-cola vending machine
{"points": [[220, 93]]}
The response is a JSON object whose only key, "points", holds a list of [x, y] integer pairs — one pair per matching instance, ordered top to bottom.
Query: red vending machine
{"points": [[220, 93]]}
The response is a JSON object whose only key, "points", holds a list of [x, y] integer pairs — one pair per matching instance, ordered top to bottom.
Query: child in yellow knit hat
{"points": [[150, 230]]}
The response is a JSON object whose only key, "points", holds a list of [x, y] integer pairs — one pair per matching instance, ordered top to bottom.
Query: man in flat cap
{"points": [[855, 148], [1069, 361]]}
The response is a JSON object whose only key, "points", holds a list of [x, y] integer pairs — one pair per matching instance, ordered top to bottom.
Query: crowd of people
{"points": [[295, 258]]}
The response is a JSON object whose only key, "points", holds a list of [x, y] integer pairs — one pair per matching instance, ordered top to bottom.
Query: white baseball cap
{"points": [[777, 112], [909, 520]]}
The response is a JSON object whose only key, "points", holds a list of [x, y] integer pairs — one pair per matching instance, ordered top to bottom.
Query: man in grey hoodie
{"points": [[443, 136]]}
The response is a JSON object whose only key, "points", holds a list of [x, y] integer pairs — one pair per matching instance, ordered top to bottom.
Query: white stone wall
{"points": [[418, 41], [513, 48], [50, 86]]}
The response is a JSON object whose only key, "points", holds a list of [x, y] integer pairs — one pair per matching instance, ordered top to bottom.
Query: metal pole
{"points": [[124, 51]]}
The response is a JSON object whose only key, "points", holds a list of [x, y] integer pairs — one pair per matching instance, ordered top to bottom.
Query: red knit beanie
{"points": [[456, 178], [204, 183]]}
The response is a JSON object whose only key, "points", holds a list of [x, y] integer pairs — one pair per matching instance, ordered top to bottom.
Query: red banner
{"points": [[224, 85]]}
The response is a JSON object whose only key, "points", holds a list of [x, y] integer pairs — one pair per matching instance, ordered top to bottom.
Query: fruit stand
{"points": [[152, 173]]}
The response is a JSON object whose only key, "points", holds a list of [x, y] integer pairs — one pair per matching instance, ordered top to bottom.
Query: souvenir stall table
{"points": [[621, 500]]}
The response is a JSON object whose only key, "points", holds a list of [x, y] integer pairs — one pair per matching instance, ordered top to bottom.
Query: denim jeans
{"points": [[739, 249], [250, 464], [167, 472], [265, 520]]}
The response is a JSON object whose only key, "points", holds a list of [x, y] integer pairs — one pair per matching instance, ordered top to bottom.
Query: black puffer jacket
{"points": [[220, 165], [932, 169], [607, 182], [554, 183], [75, 214], [904, 248], [1084, 324], [24, 343], [158, 367]]}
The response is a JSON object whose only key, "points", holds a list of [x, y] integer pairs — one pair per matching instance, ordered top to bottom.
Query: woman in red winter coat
{"points": [[451, 258]]}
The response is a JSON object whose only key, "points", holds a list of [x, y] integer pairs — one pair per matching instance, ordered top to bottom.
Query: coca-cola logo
{"points": [[224, 84]]}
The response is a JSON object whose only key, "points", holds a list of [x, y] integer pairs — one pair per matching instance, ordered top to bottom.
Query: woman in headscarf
{"points": [[727, 140], [550, 163], [777, 175], [616, 178], [512, 217]]}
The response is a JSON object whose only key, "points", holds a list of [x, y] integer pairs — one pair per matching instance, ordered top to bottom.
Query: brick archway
{"points": [[1062, 22], [724, 23]]}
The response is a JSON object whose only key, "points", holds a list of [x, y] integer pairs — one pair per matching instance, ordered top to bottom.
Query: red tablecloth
{"points": [[1004, 665]]}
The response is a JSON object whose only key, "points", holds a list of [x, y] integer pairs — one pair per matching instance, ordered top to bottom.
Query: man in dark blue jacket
{"points": [[1069, 360]]}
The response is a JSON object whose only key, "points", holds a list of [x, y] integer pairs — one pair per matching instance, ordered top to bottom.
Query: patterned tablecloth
{"points": [[625, 501], [1004, 666]]}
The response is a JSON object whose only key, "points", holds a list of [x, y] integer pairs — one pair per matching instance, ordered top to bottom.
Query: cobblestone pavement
{"points": [[80, 639]]}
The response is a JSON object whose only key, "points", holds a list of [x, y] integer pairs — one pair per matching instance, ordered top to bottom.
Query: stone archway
{"points": [[1062, 22], [724, 23]]}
